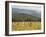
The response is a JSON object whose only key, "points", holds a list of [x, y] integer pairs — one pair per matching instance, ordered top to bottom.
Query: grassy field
{"points": [[17, 26]]}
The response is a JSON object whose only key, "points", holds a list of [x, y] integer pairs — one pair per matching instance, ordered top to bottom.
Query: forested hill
{"points": [[24, 17]]}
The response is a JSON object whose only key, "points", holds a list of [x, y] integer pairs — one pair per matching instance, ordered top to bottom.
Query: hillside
{"points": [[26, 11], [24, 17]]}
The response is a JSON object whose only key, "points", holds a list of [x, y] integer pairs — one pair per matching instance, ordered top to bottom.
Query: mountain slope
{"points": [[26, 11], [24, 17]]}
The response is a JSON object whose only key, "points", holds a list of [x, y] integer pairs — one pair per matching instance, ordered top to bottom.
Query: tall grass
{"points": [[18, 26]]}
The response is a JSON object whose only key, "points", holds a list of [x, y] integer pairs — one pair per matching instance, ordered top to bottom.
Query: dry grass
{"points": [[16, 26]]}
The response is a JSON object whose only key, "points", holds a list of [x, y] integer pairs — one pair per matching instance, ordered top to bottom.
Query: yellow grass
{"points": [[16, 26]]}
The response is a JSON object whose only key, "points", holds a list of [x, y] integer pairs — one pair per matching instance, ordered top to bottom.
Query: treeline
{"points": [[21, 18]]}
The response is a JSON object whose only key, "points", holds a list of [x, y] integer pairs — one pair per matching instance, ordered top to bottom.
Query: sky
{"points": [[36, 8]]}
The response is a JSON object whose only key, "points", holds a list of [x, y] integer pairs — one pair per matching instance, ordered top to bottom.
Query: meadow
{"points": [[19, 26]]}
